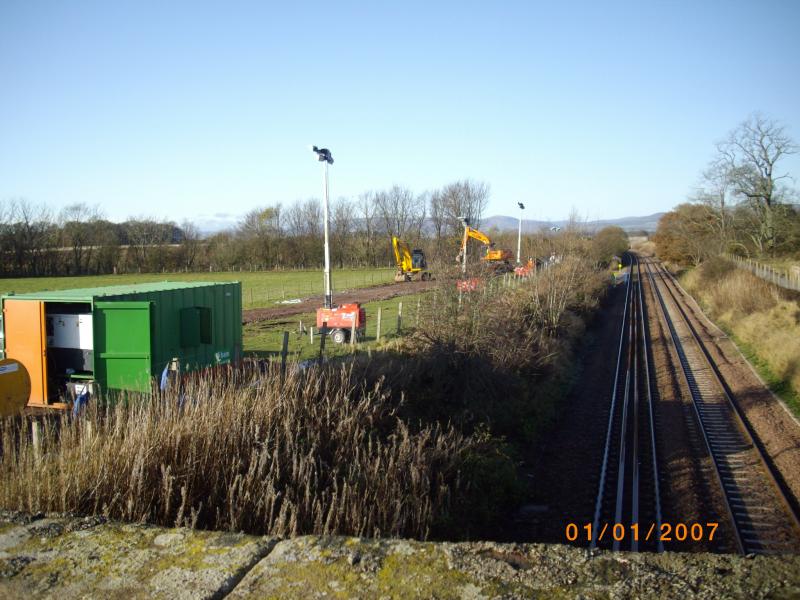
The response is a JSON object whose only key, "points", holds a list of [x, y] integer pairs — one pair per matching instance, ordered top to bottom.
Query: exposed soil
{"points": [[306, 305], [774, 429]]}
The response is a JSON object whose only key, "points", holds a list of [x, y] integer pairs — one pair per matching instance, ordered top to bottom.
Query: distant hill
{"points": [[503, 223]]}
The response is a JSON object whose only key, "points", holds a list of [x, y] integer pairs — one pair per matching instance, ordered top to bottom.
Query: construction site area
{"points": [[436, 300], [576, 397]]}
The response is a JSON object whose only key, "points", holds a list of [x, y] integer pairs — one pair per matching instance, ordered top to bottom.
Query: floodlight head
{"points": [[323, 154], [521, 205]]}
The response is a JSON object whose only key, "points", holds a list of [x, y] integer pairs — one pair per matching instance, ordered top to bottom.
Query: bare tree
{"points": [[749, 156], [713, 194], [464, 199], [367, 212], [401, 212], [438, 214], [304, 226], [342, 226], [261, 231], [80, 233], [31, 236], [144, 236], [190, 244]]}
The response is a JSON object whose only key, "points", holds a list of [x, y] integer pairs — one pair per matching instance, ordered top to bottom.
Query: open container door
{"points": [[26, 342], [122, 342]]}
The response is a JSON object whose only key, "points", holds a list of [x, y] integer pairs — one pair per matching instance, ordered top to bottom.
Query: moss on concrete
{"points": [[59, 557], [74, 558]]}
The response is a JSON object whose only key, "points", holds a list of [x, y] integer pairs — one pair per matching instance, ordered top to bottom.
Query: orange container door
{"points": [[26, 342]]}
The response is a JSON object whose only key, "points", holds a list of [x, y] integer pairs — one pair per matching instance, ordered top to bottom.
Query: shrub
{"points": [[716, 268]]}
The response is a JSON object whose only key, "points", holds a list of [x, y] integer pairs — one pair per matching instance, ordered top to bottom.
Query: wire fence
{"points": [[789, 280]]}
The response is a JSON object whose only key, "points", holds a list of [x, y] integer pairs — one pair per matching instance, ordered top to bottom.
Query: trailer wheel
{"points": [[425, 276], [338, 336]]}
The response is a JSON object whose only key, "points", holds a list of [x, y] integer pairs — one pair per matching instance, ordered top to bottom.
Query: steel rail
{"points": [[651, 418], [623, 430], [728, 448], [622, 499], [598, 507]]}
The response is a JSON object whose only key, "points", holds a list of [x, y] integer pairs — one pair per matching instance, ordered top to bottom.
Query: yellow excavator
{"points": [[498, 260], [411, 265]]}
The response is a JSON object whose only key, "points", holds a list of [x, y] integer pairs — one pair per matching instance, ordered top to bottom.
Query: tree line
{"points": [[745, 203], [79, 240]]}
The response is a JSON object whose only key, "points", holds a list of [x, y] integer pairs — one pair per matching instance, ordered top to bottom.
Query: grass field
{"points": [[259, 289], [265, 338]]}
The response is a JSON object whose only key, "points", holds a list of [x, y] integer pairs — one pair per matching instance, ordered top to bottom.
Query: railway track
{"points": [[628, 492], [761, 517]]}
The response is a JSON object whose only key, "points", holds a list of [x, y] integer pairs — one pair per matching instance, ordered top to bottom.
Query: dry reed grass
{"points": [[762, 315], [320, 454]]}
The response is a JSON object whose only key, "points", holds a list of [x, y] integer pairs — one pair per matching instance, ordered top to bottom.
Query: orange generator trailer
{"points": [[339, 321]]}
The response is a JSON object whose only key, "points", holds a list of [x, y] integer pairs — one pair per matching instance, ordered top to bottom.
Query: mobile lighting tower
{"points": [[324, 156], [465, 223], [519, 232], [345, 321]]}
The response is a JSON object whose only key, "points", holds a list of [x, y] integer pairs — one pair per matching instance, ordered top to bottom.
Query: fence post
{"points": [[399, 317], [416, 324], [378, 330], [353, 332], [323, 333], [311, 335], [284, 352], [36, 438]]}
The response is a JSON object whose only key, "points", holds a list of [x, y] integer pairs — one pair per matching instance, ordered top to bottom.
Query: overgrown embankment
{"points": [[763, 318], [419, 440]]}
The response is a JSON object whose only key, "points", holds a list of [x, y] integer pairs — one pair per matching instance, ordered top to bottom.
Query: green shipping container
{"points": [[120, 337]]}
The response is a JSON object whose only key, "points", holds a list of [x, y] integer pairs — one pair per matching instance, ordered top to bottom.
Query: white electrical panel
{"points": [[70, 331]]}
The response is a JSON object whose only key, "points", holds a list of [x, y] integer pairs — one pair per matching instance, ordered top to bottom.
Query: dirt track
{"points": [[306, 305]]}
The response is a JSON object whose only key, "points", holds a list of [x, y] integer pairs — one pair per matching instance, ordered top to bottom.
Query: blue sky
{"points": [[193, 109]]}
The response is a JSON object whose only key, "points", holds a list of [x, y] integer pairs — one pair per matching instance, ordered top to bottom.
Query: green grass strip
{"points": [[780, 387]]}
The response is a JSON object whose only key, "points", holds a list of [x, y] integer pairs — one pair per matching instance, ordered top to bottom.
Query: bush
{"points": [[715, 269]]}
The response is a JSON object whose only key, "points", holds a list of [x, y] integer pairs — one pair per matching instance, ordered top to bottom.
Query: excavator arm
{"points": [[477, 235], [402, 255], [491, 255]]}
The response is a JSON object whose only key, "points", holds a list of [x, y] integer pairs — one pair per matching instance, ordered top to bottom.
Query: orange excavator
{"points": [[499, 261]]}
